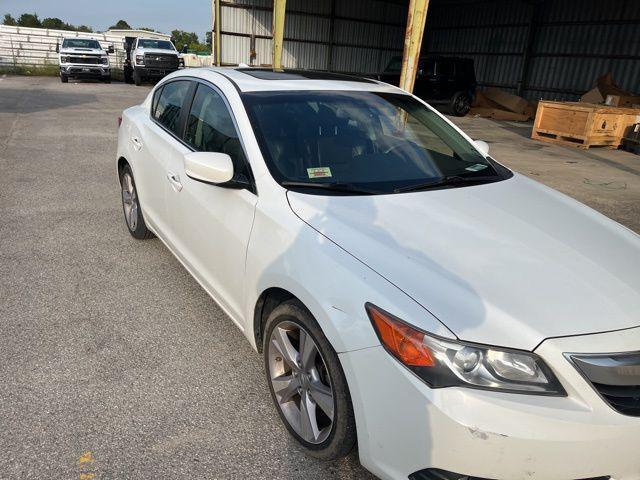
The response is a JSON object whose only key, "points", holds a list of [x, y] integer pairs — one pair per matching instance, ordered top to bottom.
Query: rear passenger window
{"points": [[170, 100], [211, 129]]}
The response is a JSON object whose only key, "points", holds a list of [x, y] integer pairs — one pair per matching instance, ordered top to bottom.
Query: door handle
{"points": [[137, 144], [174, 180]]}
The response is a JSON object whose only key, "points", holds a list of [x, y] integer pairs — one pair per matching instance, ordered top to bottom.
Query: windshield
{"points": [[80, 43], [161, 44], [375, 142]]}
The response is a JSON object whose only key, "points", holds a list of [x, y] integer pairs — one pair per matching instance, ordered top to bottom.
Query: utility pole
{"points": [[279, 7], [416, 19]]}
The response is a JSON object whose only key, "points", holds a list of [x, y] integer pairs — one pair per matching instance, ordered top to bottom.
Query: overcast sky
{"points": [[163, 15]]}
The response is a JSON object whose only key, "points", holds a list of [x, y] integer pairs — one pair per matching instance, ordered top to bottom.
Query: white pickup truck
{"points": [[83, 58], [149, 58]]}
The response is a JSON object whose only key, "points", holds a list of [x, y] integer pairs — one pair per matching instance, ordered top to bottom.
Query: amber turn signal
{"points": [[401, 340]]}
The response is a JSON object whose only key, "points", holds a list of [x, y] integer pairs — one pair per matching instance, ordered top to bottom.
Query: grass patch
{"points": [[46, 70]]}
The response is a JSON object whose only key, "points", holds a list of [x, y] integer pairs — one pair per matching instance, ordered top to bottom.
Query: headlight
{"points": [[64, 59], [140, 59], [105, 60], [445, 363]]}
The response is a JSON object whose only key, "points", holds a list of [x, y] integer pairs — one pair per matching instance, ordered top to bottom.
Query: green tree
{"points": [[9, 20], [29, 20], [56, 24], [120, 25], [84, 28], [147, 29], [181, 38], [208, 39]]}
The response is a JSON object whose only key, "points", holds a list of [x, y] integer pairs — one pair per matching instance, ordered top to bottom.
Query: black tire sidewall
{"points": [[454, 102], [342, 438]]}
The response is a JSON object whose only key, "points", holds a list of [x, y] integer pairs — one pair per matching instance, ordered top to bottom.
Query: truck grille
{"points": [[88, 60], [160, 60], [615, 377]]}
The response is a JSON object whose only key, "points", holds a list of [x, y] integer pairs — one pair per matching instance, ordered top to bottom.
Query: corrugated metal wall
{"points": [[355, 36], [572, 42], [552, 49]]}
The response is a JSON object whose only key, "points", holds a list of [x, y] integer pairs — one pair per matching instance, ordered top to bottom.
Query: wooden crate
{"points": [[582, 125]]}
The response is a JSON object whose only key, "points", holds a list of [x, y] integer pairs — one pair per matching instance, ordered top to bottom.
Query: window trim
{"points": [[184, 113]]}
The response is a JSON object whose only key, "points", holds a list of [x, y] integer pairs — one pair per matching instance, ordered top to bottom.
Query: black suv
{"points": [[440, 80]]}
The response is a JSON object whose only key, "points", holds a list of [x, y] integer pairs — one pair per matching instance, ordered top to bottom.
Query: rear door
{"points": [[213, 223]]}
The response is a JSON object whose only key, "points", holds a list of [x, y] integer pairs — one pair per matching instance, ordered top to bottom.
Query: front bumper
{"points": [[86, 71], [151, 72], [405, 427]]}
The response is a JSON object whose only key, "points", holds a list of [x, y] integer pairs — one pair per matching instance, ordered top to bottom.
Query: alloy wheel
{"points": [[129, 201], [300, 381]]}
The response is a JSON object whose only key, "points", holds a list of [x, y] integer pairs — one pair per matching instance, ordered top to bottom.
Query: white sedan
{"points": [[407, 291]]}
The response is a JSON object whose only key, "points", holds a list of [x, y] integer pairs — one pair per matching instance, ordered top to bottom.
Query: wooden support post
{"points": [[279, 7], [416, 19], [217, 34], [526, 54]]}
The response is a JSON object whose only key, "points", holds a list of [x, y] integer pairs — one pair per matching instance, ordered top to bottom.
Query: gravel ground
{"points": [[114, 363]]}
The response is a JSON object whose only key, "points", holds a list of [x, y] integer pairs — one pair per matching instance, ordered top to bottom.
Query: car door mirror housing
{"points": [[111, 49], [482, 146], [209, 167]]}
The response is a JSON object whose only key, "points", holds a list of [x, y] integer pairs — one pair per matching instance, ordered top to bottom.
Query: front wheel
{"points": [[64, 78], [137, 78], [461, 104], [131, 206], [307, 383]]}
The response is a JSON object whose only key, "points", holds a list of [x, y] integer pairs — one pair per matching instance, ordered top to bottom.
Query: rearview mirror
{"points": [[57, 48], [185, 48], [110, 49], [482, 146], [209, 167]]}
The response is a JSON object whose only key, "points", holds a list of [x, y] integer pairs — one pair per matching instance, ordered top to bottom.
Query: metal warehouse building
{"points": [[549, 49]]}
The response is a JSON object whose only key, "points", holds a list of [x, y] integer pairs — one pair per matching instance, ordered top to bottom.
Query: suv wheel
{"points": [[64, 78], [137, 79], [461, 104], [131, 206], [307, 383]]}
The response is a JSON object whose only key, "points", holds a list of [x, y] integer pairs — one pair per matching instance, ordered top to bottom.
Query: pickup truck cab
{"points": [[83, 58], [149, 58], [440, 80]]}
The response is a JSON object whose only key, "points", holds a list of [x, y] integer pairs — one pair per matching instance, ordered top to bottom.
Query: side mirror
{"points": [[57, 48], [185, 48], [110, 49], [482, 146], [209, 167]]}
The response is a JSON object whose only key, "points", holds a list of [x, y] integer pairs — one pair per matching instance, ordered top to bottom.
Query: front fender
{"points": [[286, 253]]}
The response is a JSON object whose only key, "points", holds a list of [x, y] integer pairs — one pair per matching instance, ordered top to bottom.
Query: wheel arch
{"points": [[122, 162], [268, 300]]}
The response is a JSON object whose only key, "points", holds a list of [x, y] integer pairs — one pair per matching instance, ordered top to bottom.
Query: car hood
{"points": [[83, 51], [155, 51], [508, 263]]}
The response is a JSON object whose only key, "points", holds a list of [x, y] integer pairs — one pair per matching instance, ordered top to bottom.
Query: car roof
{"points": [[248, 79]]}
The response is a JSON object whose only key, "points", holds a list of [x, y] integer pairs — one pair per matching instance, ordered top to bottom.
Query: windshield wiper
{"points": [[448, 181], [336, 187]]}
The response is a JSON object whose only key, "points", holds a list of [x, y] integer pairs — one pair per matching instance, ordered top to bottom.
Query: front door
{"points": [[212, 222]]}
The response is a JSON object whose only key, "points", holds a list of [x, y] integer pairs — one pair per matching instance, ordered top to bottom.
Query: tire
{"points": [[128, 76], [64, 78], [137, 79], [107, 80], [460, 104], [131, 206], [308, 383]]}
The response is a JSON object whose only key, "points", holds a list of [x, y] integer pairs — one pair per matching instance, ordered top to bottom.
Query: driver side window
{"points": [[210, 128]]}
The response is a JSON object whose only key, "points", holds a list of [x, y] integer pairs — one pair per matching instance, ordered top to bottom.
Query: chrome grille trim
{"points": [[615, 376]]}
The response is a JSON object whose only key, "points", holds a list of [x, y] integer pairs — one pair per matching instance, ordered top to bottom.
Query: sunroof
{"points": [[266, 74]]}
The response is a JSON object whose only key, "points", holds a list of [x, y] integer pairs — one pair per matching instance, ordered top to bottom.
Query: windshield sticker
{"points": [[477, 167], [319, 172]]}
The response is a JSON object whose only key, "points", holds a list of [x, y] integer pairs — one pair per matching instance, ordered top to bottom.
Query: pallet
{"points": [[582, 125]]}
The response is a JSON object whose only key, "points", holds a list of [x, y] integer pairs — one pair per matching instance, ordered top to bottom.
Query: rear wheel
{"points": [[64, 78], [137, 78], [461, 104], [131, 206], [307, 383]]}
